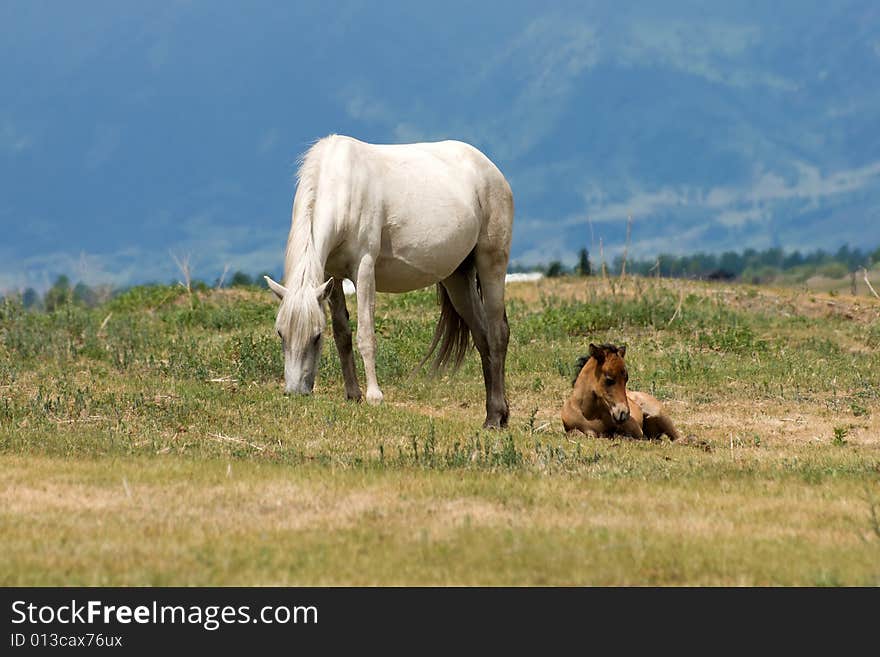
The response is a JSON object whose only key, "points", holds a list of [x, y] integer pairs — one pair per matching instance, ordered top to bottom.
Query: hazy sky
{"points": [[133, 130]]}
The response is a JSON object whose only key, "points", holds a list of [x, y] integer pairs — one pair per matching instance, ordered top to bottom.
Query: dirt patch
{"points": [[53, 497]]}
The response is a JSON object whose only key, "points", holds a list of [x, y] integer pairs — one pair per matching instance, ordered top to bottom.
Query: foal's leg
{"points": [[491, 268], [366, 336], [342, 337], [573, 420], [658, 425], [630, 428]]}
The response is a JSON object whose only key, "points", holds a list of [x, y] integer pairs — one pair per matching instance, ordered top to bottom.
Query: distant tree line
{"points": [[749, 265], [63, 292]]}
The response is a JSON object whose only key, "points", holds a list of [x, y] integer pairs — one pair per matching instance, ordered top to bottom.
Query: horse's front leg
{"points": [[366, 335], [342, 338], [573, 420], [630, 428]]}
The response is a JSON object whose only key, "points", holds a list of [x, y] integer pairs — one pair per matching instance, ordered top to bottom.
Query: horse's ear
{"points": [[277, 288], [323, 291], [621, 351], [597, 353]]}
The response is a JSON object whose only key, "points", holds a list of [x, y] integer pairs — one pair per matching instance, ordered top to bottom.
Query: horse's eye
{"points": [[279, 334], [316, 339], [609, 381]]}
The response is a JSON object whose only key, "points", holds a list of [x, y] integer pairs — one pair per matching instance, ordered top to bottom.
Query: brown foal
{"points": [[600, 403]]}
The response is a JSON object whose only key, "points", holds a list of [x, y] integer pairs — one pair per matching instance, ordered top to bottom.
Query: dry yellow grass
{"points": [[145, 522]]}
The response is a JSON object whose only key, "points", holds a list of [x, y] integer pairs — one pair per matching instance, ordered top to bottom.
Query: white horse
{"points": [[394, 219]]}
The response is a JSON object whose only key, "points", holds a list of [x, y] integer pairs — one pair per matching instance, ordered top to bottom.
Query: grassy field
{"points": [[836, 285], [148, 442]]}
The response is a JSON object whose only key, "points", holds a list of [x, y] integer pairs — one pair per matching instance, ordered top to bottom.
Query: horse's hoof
{"points": [[355, 398], [374, 398], [497, 418], [495, 423]]}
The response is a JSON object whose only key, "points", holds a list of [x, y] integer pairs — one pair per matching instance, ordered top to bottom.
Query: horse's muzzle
{"points": [[620, 415]]}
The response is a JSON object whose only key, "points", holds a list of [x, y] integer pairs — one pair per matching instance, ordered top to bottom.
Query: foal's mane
{"points": [[300, 314], [583, 360]]}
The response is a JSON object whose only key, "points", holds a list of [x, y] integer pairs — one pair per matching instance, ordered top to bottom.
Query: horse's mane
{"points": [[299, 312], [583, 360]]}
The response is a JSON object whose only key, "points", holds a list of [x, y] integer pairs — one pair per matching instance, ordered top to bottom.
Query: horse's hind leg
{"points": [[491, 261], [461, 287], [342, 338], [657, 425]]}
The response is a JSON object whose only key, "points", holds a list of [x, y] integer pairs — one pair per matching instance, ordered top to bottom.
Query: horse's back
{"points": [[440, 171], [424, 205], [649, 404], [656, 420]]}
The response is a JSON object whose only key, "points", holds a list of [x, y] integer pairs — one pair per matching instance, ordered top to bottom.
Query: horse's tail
{"points": [[452, 334], [578, 367]]}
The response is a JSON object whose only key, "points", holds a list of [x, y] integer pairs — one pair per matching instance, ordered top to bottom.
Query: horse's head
{"points": [[300, 325], [611, 378]]}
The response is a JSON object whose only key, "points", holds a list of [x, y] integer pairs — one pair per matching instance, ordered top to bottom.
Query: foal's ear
{"points": [[277, 288], [323, 291], [621, 351], [597, 353]]}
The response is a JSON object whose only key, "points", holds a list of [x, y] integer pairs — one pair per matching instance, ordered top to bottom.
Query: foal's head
{"points": [[300, 325], [610, 379]]}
